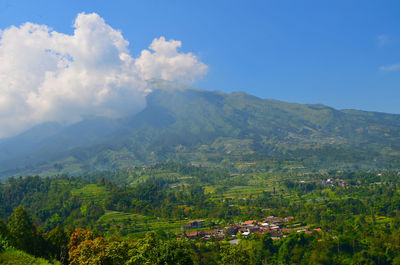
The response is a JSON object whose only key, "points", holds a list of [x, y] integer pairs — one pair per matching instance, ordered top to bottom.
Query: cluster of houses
{"points": [[332, 181], [329, 182], [275, 226]]}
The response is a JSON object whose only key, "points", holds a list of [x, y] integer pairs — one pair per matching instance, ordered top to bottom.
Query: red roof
{"points": [[194, 233]]}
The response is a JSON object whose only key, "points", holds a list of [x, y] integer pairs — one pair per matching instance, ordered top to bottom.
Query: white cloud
{"points": [[165, 62], [390, 68], [50, 76]]}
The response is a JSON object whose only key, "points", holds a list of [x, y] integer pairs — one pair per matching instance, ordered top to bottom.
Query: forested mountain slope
{"points": [[208, 127]]}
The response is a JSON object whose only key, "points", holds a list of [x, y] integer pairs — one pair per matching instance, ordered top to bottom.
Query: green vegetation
{"points": [[212, 129], [175, 183], [91, 193], [135, 216], [114, 221], [17, 257]]}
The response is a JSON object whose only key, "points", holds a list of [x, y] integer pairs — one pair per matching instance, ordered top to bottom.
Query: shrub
{"points": [[3, 244]]}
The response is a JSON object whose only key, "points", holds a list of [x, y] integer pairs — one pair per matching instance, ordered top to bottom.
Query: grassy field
{"points": [[91, 192], [135, 223], [12, 256]]}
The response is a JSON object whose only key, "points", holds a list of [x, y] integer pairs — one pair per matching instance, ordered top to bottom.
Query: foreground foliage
{"points": [[133, 217]]}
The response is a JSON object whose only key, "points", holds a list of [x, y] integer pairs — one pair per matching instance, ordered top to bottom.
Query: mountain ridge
{"points": [[199, 126]]}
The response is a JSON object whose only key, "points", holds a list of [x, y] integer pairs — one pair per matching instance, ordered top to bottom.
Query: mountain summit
{"points": [[208, 127]]}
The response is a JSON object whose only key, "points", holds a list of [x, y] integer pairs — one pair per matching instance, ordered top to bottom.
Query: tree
{"points": [[4, 229], [22, 231], [77, 237], [58, 241], [3, 244], [153, 250], [144, 251], [99, 252], [174, 252], [234, 255]]}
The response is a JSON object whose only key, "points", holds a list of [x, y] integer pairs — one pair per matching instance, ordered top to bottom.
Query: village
{"points": [[328, 182], [277, 227]]}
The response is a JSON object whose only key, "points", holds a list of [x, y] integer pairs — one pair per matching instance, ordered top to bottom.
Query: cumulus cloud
{"points": [[165, 62], [390, 68], [50, 76]]}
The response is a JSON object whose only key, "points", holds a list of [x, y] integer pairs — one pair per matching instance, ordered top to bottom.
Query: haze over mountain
{"points": [[207, 127]]}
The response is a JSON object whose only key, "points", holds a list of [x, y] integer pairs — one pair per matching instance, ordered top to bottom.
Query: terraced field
{"points": [[91, 192], [135, 223]]}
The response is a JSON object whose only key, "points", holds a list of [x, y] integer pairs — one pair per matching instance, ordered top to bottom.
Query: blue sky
{"points": [[345, 54]]}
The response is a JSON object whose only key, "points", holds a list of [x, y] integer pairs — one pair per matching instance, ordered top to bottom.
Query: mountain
{"points": [[208, 127], [29, 140]]}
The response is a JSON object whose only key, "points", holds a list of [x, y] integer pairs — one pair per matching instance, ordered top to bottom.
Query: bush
{"points": [[3, 244]]}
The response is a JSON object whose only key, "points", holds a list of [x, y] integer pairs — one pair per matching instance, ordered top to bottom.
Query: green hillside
{"points": [[217, 129], [17, 257]]}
